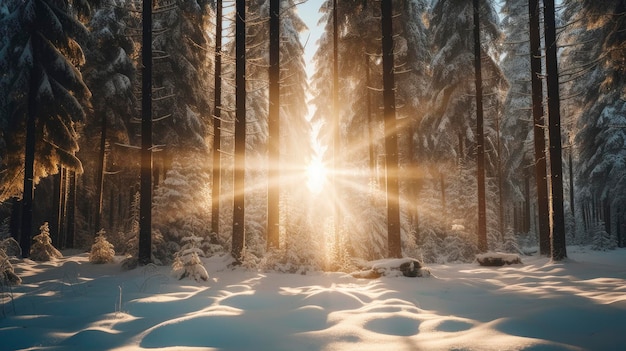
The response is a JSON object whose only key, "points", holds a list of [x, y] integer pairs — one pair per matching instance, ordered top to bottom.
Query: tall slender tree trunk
{"points": [[336, 123], [217, 125], [370, 128], [240, 132], [480, 135], [101, 170], [541, 177], [273, 183], [145, 203], [572, 204], [71, 211], [61, 214], [16, 218], [26, 229], [394, 241], [559, 250]]}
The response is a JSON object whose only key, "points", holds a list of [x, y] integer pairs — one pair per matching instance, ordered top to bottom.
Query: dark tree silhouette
{"points": [[240, 132], [391, 133], [480, 134], [273, 183], [543, 202], [145, 206], [558, 251]]}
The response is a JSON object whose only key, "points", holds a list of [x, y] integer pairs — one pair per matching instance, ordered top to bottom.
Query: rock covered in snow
{"points": [[497, 259], [407, 267]]}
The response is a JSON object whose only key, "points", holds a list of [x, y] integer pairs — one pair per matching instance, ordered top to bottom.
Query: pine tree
{"points": [[593, 71], [48, 96], [42, 249], [102, 251], [187, 261]]}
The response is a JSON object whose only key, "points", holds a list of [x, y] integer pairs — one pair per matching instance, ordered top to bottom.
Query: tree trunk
{"points": [[336, 123], [217, 125], [370, 129], [391, 134], [480, 135], [29, 166], [101, 170], [541, 178], [273, 183], [145, 203], [572, 207], [71, 211], [607, 215], [16, 218], [238, 238], [559, 250]]}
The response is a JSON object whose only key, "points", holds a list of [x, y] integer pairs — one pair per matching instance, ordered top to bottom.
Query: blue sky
{"points": [[309, 12]]}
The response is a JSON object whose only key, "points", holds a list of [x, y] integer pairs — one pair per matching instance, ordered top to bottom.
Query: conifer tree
{"points": [[47, 93]]}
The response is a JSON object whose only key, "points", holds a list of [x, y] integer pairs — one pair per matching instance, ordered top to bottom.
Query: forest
{"points": [[428, 129]]}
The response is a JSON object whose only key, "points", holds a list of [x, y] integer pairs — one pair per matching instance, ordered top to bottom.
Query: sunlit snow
{"points": [[71, 304]]}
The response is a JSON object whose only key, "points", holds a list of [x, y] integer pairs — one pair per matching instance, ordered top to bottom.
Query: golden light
{"points": [[316, 175]]}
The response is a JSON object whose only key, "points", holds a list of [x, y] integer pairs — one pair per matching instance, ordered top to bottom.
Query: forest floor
{"points": [[71, 304]]}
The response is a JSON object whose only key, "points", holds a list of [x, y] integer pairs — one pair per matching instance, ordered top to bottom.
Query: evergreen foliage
{"points": [[41, 55], [42, 249], [102, 251], [187, 261], [7, 273]]}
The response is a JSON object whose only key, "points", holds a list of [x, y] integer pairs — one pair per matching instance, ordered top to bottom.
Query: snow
{"points": [[71, 304]]}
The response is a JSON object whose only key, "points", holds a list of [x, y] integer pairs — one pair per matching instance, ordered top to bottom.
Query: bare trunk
{"points": [[391, 134], [480, 136], [145, 204], [238, 238]]}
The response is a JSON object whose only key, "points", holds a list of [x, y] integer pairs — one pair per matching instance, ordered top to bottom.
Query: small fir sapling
{"points": [[42, 249], [101, 251], [187, 261]]}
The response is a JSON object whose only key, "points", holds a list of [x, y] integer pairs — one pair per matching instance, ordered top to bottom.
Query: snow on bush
{"points": [[602, 241], [42, 249], [101, 251], [187, 261], [7, 275]]}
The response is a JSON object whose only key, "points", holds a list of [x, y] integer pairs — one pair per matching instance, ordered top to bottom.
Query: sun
{"points": [[316, 175]]}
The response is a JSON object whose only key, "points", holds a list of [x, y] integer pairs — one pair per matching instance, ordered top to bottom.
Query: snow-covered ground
{"points": [[71, 304]]}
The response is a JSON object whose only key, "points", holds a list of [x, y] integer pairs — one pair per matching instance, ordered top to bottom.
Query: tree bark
{"points": [[336, 123], [217, 124], [370, 131], [480, 135], [101, 170], [541, 178], [273, 183], [145, 203], [71, 211], [26, 229], [238, 238], [394, 241], [559, 250]]}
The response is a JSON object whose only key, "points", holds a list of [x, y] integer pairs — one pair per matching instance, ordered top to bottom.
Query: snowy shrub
{"points": [[182, 200], [602, 241], [430, 246], [11, 247], [459, 247], [42, 249], [101, 251], [187, 261], [7, 275]]}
